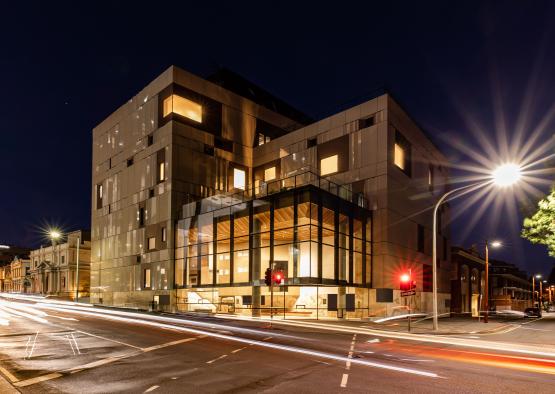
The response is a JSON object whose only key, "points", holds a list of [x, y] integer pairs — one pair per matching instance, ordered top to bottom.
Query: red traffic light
{"points": [[278, 277], [406, 282]]}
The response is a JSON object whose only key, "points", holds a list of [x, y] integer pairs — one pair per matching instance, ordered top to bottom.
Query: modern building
{"points": [[200, 185], [54, 268]]}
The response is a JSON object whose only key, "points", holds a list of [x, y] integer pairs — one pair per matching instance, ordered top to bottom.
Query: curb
{"points": [[6, 387]]}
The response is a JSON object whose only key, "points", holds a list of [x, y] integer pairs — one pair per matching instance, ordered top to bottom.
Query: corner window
{"points": [[182, 106], [263, 139], [402, 154], [399, 158], [329, 165], [269, 174], [239, 179], [151, 243], [147, 278]]}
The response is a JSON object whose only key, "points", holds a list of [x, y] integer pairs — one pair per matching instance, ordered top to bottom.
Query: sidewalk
{"points": [[447, 326]]}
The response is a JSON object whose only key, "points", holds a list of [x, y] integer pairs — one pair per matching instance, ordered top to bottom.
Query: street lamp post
{"points": [[503, 176], [54, 236], [494, 244], [77, 271], [534, 277]]}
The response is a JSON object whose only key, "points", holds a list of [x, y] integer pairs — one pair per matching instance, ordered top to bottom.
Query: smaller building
{"points": [[20, 267], [54, 268], [6, 279], [467, 280], [509, 286]]}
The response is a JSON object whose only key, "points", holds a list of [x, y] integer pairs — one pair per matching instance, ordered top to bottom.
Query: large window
{"points": [[184, 107], [329, 165], [239, 179], [233, 245]]}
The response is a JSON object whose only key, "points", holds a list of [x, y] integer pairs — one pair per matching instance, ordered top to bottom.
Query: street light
{"points": [[503, 176], [494, 244], [534, 277]]}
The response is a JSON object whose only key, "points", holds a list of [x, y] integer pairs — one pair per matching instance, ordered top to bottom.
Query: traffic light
{"points": [[268, 277], [278, 277], [406, 282]]}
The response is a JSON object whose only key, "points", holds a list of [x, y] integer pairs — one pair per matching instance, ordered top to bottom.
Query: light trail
{"points": [[117, 316]]}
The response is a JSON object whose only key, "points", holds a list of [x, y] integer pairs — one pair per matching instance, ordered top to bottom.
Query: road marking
{"points": [[63, 318], [535, 329], [267, 338], [108, 339], [375, 340], [156, 347], [238, 350], [216, 359], [348, 362], [8, 374], [38, 379], [344, 380], [151, 389]]}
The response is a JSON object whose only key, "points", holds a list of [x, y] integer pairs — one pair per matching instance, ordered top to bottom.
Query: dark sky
{"points": [[65, 67]]}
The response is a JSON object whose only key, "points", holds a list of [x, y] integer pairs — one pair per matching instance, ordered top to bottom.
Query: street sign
{"points": [[408, 293]]}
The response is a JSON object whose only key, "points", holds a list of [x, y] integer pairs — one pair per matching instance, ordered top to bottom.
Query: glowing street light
{"points": [[506, 174], [503, 176], [54, 234]]}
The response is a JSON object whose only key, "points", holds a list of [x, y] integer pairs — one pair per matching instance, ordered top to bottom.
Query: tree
{"points": [[540, 227]]}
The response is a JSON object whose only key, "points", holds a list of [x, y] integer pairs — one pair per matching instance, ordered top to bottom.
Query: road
{"points": [[52, 347]]}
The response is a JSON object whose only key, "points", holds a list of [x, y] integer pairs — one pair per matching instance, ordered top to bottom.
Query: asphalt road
{"points": [[52, 348]]}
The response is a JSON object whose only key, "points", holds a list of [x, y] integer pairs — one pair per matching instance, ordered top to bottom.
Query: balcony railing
{"points": [[262, 189]]}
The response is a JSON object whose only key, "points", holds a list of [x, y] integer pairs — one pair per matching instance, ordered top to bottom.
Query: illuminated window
{"points": [[182, 106], [399, 156], [329, 165], [161, 172], [269, 174], [239, 179], [99, 191], [164, 234], [152, 243], [147, 278]]}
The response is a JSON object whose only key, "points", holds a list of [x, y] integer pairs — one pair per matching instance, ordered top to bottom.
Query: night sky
{"points": [[65, 67]]}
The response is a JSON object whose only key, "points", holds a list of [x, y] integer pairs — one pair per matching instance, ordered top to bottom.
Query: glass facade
{"points": [[314, 237]]}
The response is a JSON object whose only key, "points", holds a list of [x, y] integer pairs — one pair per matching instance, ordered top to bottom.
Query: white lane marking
{"points": [[63, 318], [535, 329], [267, 338], [108, 339], [375, 340], [163, 345], [33, 347], [238, 350], [216, 359], [415, 359], [348, 362], [8, 374], [175, 378], [38, 379], [344, 380], [151, 389]]}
